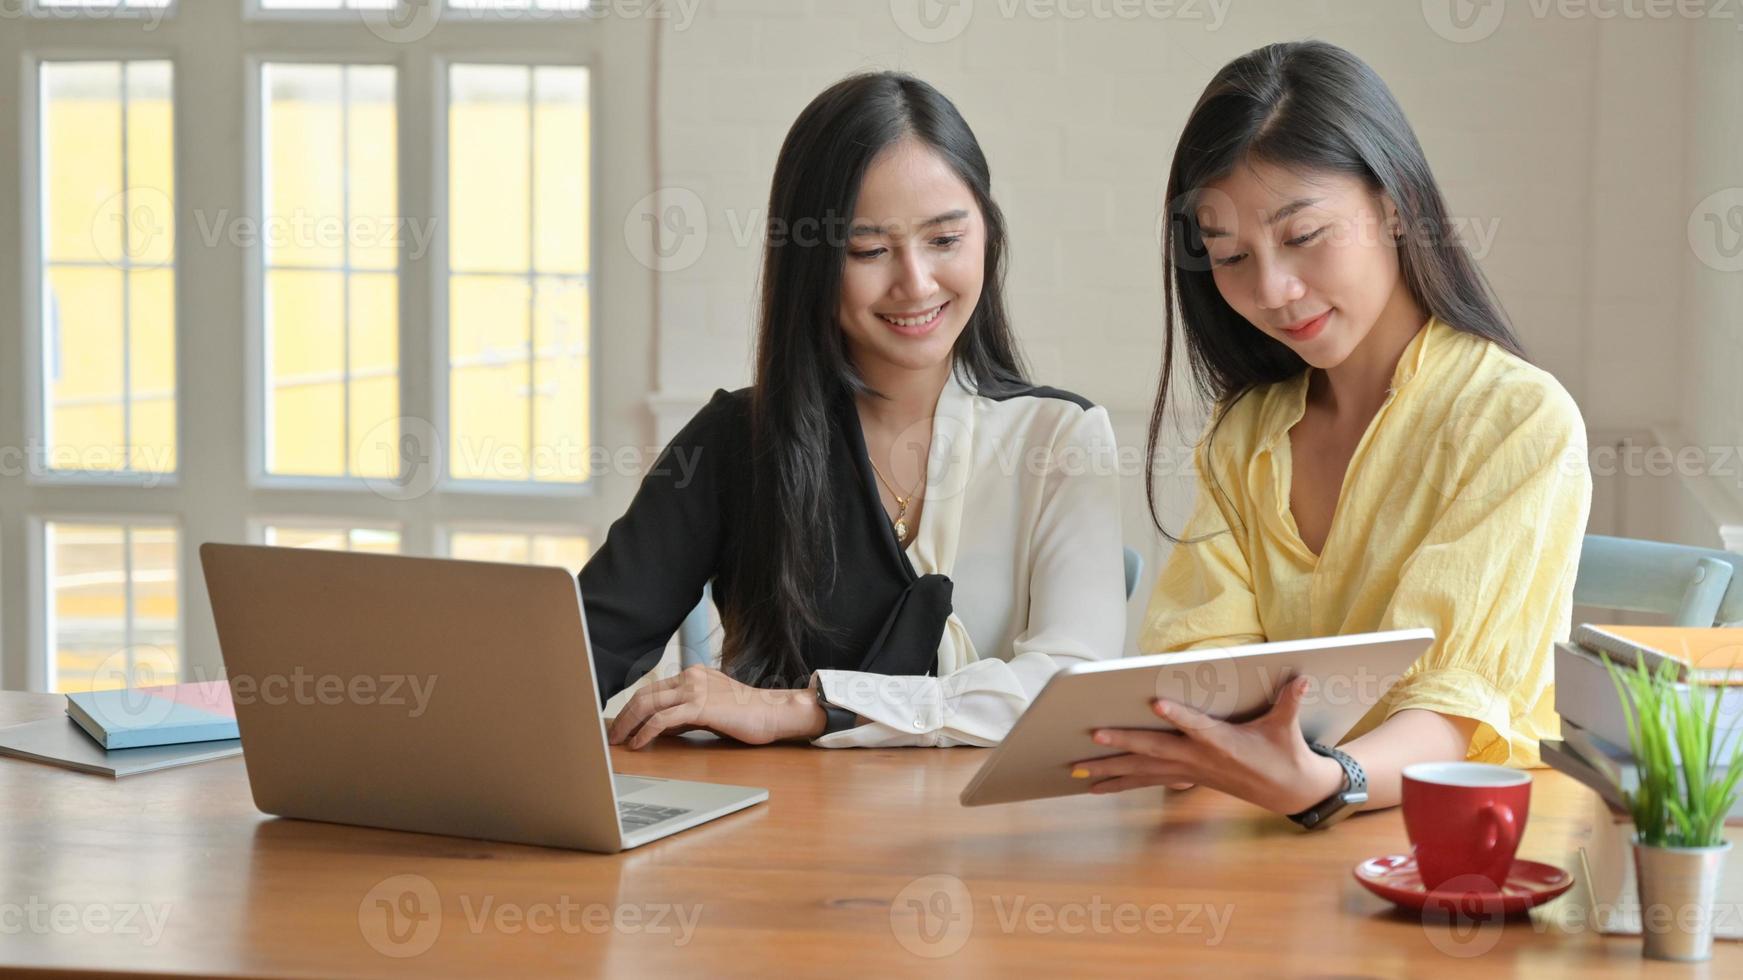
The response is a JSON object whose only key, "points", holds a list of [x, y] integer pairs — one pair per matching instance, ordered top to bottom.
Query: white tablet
{"points": [[1348, 674]]}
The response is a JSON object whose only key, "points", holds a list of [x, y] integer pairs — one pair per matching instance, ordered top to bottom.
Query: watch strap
{"points": [[836, 717], [1353, 793]]}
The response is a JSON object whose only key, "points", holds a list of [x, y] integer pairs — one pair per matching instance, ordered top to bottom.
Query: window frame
{"points": [[37, 10], [255, 10], [32, 214], [442, 272], [254, 279], [213, 496], [258, 523], [445, 533], [40, 676]]}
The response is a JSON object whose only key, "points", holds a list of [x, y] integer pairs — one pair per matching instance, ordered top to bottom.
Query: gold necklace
{"points": [[901, 522]]}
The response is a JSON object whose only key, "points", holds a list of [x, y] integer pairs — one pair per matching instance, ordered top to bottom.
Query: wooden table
{"points": [[862, 862]]}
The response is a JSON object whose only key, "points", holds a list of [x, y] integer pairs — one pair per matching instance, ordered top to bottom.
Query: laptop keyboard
{"points": [[635, 816]]}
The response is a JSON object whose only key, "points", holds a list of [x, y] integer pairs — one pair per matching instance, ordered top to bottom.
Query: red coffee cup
{"points": [[1465, 820]]}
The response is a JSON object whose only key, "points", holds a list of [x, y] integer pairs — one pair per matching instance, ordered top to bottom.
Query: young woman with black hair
{"points": [[1380, 454], [905, 537]]}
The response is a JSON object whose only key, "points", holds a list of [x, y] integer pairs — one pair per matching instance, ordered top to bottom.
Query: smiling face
{"points": [[1309, 259], [915, 260]]}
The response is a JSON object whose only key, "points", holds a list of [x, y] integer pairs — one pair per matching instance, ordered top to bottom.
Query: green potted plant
{"points": [[1685, 789]]}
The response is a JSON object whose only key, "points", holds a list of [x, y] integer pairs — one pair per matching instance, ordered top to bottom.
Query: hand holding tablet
{"points": [[1345, 677]]}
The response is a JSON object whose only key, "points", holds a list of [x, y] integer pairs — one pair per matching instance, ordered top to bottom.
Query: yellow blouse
{"points": [[1463, 510]]}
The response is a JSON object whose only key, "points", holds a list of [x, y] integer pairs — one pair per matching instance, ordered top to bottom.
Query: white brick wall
{"points": [[1562, 136], [1712, 286]]}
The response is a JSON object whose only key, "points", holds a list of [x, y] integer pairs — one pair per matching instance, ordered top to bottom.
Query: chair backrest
{"points": [[1693, 586], [693, 641], [693, 645]]}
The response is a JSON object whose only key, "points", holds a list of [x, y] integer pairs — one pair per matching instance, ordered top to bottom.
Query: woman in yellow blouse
{"points": [[1380, 454]]}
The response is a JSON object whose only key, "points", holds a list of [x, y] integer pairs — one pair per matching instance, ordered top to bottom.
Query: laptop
{"points": [[1348, 675], [431, 695]]}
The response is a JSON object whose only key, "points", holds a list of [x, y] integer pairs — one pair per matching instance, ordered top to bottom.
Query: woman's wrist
{"points": [[806, 717], [1318, 778]]}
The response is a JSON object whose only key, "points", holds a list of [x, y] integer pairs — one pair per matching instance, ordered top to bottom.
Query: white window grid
{"points": [[346, 270], [530, 276], [41, 420], [218, 493], [260, 524], [41, 611]]}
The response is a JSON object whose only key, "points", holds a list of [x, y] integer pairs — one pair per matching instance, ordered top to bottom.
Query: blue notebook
{"points": [[173, 714]]}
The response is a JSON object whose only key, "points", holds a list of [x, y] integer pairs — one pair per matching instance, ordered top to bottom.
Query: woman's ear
{"points": [[1391, 221]]}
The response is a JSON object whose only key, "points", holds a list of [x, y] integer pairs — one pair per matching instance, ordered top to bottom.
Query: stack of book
{"points": [[123, 732], [1594, 750]]}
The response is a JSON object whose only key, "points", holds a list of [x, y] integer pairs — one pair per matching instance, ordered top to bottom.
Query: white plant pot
{"points": [[1677, 889]]}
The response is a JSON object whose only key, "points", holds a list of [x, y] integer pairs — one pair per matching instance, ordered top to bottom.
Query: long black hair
{"points": [[1304, 106], [803, 368]]}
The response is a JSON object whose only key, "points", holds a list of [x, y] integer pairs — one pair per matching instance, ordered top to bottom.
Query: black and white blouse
{"points": [[1016, 570]]}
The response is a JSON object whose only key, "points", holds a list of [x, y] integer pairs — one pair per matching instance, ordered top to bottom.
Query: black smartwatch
{"points": [[836, 718], [1341, 803]]}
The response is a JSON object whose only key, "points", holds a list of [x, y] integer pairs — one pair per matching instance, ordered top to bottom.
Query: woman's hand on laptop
{"points": [[705, 698], [1265, 761]]}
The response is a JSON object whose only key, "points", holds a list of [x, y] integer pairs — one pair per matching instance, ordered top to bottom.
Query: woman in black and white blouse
{"points": [[906, 538]]}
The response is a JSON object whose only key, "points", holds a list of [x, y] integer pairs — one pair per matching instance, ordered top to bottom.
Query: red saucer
{"points": [[1529, 883]]}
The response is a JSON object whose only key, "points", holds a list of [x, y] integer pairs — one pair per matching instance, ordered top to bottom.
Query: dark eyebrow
{"points": [[944, 218], [1208, 231]]}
